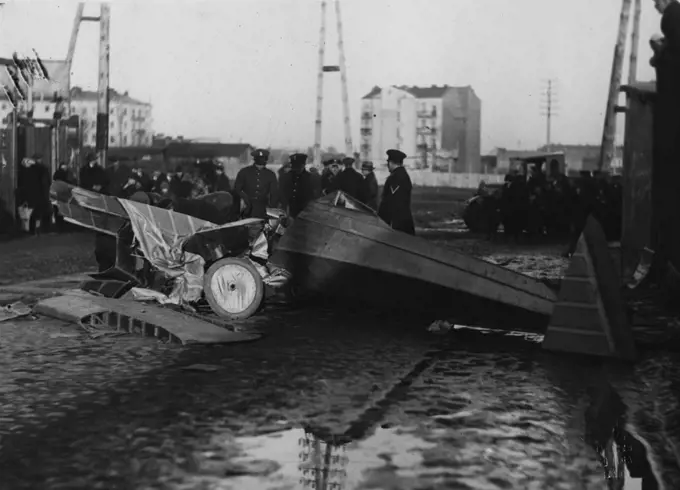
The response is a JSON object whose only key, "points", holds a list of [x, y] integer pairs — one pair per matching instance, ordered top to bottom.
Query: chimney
{"points": [[433, 86]]}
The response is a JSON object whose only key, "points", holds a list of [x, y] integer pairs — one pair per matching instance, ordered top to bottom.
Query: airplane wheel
{"points": [[233, 288]]}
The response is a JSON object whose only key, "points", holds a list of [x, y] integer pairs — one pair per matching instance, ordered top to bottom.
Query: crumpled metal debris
{"points": [[14, 310], [440, 326]]}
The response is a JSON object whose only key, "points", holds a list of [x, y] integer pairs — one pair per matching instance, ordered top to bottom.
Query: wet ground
{"points": [[348, 398]]}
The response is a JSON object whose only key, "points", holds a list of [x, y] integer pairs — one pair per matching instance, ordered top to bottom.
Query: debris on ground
{"points": [[14, 310], [440, 326], [207, 368]]}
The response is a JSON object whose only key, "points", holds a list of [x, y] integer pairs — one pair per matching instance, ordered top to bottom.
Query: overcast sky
{"points": [[246, 69]]}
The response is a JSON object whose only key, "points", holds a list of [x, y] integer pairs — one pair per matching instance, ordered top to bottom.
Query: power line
{"points": [[549, 108]]}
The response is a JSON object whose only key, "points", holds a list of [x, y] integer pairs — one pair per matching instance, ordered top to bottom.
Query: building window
{"points": [[423, 106], [47, 108], [93, 124], [112, 140], [125, 140]]}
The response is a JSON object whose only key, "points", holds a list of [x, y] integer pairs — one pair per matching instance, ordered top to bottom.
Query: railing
{"points": [[366, 131]]}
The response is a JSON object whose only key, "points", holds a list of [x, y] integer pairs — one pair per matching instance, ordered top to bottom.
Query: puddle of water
{"points": [[303, 461]]}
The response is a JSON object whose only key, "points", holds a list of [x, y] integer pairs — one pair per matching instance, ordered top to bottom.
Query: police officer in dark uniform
{"points": [[349, 180], [258, 185], [369, 186], [297, 188], [395, 205]]}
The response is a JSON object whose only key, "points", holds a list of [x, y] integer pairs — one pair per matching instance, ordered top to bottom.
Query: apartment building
{"points": [[130, 120], [438, 127]]}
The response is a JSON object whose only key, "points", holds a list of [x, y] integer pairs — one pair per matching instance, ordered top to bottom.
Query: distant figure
{"points": [[63, 175], [93, 177], [315, 178], [349, 180], [329, 181], [222, 183], [258, 185], [369, 186], [297, 188], [395, 205]]}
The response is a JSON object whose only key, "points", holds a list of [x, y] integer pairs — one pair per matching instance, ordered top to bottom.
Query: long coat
{"points": [[350, 182], [259, 187], [297, 190], [369, 191], [395, 205]]}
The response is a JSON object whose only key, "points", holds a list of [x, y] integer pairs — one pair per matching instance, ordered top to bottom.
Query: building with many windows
{"points": [[130, 120], [438, 127]]}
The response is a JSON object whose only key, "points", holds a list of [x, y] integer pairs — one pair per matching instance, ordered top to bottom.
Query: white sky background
{"points": [[246, 69]]}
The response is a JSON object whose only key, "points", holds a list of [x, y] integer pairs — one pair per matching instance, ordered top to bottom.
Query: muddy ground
{"points": [[415, 410]]}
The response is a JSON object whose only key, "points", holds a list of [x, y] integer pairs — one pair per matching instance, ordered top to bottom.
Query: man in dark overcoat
{"points": [[329, 179], [349, 180], [221, 183], [258, 185], [369, 186], [297, 188], [395, 205]]}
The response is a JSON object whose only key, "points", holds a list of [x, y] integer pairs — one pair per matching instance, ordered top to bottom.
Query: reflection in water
{"points": [[623, 457], [310, 459], [322, 462]]}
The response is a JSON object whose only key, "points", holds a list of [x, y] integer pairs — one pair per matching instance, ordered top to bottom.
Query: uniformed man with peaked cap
{"points": [[258, 185], [297, 186], [395, 205]]}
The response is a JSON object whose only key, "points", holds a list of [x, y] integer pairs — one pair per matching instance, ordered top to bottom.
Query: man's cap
{"points": [[260, 154], [396, 156], [298, 159], [335, 161], [348, 161], [367, 166]]}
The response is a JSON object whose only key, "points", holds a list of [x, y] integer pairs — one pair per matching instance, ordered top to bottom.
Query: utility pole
{"points": [[634, 43], [69, 56], [342, 69], [103, 88], [549, 109], [609, 130]]}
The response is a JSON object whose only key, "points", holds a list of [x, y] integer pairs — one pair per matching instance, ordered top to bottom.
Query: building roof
{"points": [[431, 92], [78, 93]]}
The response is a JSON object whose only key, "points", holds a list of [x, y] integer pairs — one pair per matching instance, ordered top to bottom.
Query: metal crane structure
{"points": [[104, 20], [342, 69]]}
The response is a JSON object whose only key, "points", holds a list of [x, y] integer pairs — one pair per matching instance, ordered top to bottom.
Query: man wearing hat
{"points": [[92, 176], [349, 180], [329, 181], [221, 183], [258, 185], [369, 186], [297, 188], [395, 205]]}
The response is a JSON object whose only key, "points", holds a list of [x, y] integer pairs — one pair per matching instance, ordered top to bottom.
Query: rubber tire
{"points": [[210, 296]]}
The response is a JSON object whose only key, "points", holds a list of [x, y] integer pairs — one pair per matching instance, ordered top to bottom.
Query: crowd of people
{"points": [[294, 187], [534, 203]]}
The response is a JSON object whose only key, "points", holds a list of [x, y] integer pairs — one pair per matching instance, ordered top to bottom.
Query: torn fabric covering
{"points": [[163, 250]]}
